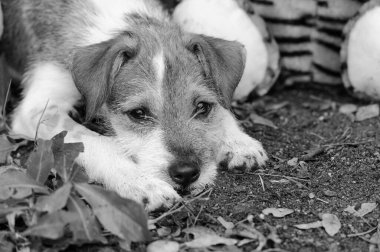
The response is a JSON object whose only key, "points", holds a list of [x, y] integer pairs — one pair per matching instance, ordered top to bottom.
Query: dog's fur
{"points": [[119, 56]]}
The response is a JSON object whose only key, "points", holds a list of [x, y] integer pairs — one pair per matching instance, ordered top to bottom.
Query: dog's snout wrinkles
{"points": [[184, 173]]}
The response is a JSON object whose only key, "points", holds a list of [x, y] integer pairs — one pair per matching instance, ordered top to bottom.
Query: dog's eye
{"points": [[202, 109], [139, 114]]}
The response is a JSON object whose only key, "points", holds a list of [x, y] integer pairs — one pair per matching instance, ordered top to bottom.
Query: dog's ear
{"points": [[223, 61], [95, 67]]}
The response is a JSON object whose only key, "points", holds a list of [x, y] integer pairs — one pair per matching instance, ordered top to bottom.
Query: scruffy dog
{"points": [[164, 94]]}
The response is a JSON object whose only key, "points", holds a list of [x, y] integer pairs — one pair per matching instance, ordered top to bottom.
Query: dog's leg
{"points": [[49, 95], [238, 150]]}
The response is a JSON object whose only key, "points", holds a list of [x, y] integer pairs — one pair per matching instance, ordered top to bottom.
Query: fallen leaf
{"points": [[348, 109], [367, 112], [256, 119], [41, 161], [293, 162], [329, 193], [55, 201], [365, 208], [278, 212], [123, 217], [331, 223], [225, 224], [316, 224], [164, 231], [204, 237], [375, 241], [160, 246]]}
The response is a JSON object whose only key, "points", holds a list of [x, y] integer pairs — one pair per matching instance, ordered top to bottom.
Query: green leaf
{"points": [[65, 155], [41, 161], [13, 178], [56, 201], [123, 217], [50, 226], [86, 228]]}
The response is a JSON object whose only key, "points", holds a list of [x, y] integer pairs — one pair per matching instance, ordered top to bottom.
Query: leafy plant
{"points": [[50, 205]]}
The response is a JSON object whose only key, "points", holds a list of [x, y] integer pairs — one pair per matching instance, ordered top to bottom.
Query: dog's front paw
{"points": [[243, 153], [151, 192]]}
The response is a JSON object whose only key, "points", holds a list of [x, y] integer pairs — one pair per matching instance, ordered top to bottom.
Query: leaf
{"points": [[348, 109], [367, 112], [255, 118], [6, 147], [65, 155], [41, 161], [293, 162], [13, 178], [55, 201], [365, 208], [278, 212], [123, 217], [331, 223], [225, 224], [311, 225], [50, 226], [85, 228], [204, 237], [375, 241], [159, 246]]}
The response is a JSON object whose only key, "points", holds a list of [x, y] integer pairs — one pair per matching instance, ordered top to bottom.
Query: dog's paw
{"points": [[242, 154], [152, 193]]}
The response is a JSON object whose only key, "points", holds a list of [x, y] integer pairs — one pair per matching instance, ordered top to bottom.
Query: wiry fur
{"points": [[121, 55]]}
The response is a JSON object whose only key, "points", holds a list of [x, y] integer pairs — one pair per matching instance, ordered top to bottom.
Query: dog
{"points": [[164, 95]]}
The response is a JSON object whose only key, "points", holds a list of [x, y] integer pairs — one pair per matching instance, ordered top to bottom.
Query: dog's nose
{"points": [[184, 173]]}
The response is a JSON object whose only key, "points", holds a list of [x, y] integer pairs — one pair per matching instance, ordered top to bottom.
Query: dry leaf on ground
{"points": [[348, 109], [367, 112], [256, 119], [365, 208], [278, 212], [331, 223], [226, 224], [316, 224], [204, 237], [161, 245]]}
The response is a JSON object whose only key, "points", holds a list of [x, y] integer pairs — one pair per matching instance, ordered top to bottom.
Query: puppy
{"points": [[163, 94]]}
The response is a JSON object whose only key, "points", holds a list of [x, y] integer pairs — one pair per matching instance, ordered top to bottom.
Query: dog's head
{"points": [[164, 94]]}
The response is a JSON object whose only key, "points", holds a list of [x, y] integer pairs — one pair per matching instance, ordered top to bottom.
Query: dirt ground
{"points": [[345, 173]]}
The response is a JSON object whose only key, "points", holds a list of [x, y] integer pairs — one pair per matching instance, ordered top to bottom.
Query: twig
{"points": [[6, 98], [39, 121], [349, 144], [312, 154], [276, 175], [262, 182], [324, 201], [176, 208], [173, 210], [199, 213], [362, 233]]}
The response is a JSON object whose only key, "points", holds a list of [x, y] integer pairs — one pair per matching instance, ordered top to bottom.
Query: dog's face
{"points": [[165, 96]]}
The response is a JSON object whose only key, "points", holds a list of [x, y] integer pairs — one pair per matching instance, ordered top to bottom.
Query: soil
{"points": [[345, 173]]}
